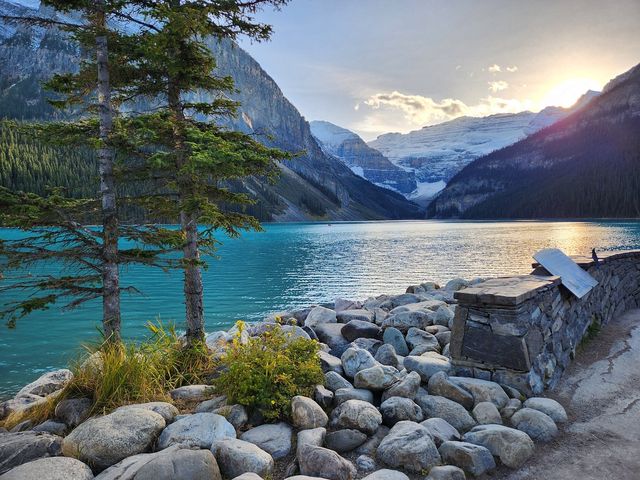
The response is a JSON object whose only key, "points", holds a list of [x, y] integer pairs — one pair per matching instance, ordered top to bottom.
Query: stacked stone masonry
{"points": [[523, 331]]}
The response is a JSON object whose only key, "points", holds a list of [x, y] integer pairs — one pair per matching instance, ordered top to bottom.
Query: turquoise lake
{"points": [[294, 265]]}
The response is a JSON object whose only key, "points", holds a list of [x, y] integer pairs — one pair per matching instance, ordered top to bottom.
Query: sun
{"points": [[569, 91]]}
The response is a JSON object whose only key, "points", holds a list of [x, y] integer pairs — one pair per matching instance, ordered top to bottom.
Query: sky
{"points": [[378, 66]]}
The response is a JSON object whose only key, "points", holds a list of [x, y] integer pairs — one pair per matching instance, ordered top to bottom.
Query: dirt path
{"points": [[601, 392]]}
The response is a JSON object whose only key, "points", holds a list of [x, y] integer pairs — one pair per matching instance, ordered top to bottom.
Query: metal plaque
{"points": [[573, 277]]}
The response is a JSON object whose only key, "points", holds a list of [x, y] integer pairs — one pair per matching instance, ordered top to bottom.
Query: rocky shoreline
{"points": [[392, 407]]}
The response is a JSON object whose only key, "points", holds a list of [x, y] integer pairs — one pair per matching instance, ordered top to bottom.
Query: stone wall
{"points": [[523, 331]]}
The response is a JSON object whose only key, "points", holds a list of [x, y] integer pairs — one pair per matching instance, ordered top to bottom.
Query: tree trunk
{"points": [[189, 224], [110, 272]]}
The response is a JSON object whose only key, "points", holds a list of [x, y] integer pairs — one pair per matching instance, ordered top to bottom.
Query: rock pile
{"points": [[391, 406]]}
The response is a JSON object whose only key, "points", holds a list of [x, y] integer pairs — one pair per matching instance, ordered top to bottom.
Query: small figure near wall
{"points": [[594, 255]]}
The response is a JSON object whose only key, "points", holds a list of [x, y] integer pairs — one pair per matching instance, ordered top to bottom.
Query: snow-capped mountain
{"points": [[436, 153], [360, 158]]}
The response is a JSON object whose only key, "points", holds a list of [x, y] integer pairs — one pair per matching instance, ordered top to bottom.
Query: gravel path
{"points": [[601, 392]]}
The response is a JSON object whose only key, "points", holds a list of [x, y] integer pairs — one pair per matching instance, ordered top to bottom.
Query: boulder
{"points": [[456, 284], [343, 304], [320, 315], [362, 315], [443, 316], [403, 321], [360, 329], [331, 334], [394, 337], [419, 338], [444, 338], [371, 345], [422, 349], [386, 355], [356, 359], [330, 363], [427, 365], [376, 378], [334, 381], [47, 384], [439, 384], [407, 387], [483, 390], [191, 393], [344, 394], [323, 396], [20, 404], [211, 405], [512, 406], [549, 407], [397, 409], [166, 410], [73, 411], [305, 413], [454, 413], [486, 413], [356, 414], [236, 415], [51, 426], [539, 426], [197, 430], [441, 431], [313, 437], [274, 439], [106, 440], [344, 440], [371, 445], [409, 446], [512, 446], [23, 447], [236, 457], [473, 459], [324, 463], [365, 463], [53, 468], [445, 472], [386, 474], [250, 476]]}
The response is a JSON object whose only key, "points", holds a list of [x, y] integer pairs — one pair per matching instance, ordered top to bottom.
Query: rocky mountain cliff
{"points": [[436, 153], [361, 158], [586, 165], [313, 185]]}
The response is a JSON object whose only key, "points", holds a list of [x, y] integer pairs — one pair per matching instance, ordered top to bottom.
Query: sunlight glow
{"points": [[569, 91]]}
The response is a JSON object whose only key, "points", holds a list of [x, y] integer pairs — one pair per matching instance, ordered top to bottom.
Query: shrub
{"points": [[267, 372]]}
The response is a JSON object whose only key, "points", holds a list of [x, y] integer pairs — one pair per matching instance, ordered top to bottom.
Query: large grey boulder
{"points": [[320, 315], [346, 316], [443, 316], [403, 321], [360, 329], [331, 334], [394, 337], [419, 338], [371, 345], [386, 355], [356, 359], [330, 363], [427, 365], [376, 378], [334, 381], [47, 384], [439, 384], [407, 387], [483, 390], [191, 393], [344, 394], [323, 396], [21, 404], [211, 405], [512, 406], [549, 406], [397, 409], [167, 410], [73, 411], [305, 413], [454, 413], [486, 413], [356, 414], [236, 415], [51, 426], [539, 426], [197, 430], [441, 431], [313, 437], [274, 439], [344, 440], [104, 441], [409, 446], [512, 446], [23, 447], [236, 457], [473, 459], [324, 463], [53, 468], [445, 472], [386, 474], [250, 476]]}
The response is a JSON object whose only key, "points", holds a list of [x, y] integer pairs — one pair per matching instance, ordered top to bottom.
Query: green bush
{"points": [[267, 372]]}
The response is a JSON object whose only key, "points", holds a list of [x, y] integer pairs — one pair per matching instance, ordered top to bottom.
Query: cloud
{"points": [[495, 68], [512, 69], [498, 86], [396, 111]]}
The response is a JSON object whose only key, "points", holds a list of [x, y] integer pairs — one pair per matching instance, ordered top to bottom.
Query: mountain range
{"points": [[315, 185]]}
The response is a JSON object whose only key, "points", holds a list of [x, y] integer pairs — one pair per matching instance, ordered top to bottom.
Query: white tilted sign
{"points": [[573, 277]]}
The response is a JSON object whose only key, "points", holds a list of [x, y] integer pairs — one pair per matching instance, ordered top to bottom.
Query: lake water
{"points": [[294, 265]]}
